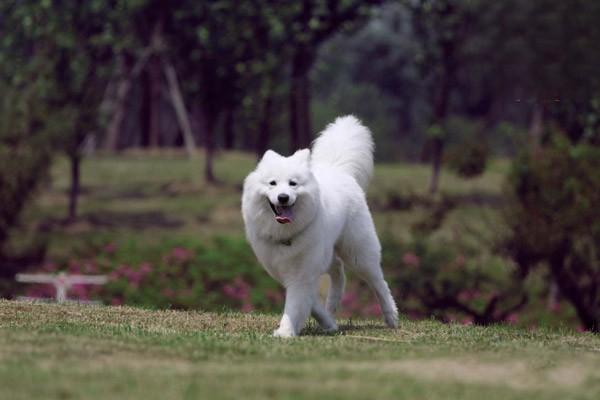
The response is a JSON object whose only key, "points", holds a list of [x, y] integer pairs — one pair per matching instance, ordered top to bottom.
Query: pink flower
{"points": [[110, 248], [181, 254], [411, 259], [460, 260], [74, 266], [50, 267], [90, 267], [145, 268], [238, 290], [41, 291], [79, 292], [468, 295], [274, 296], [350, 300], [247, 307], [373, 309], [413, 315], [512, 318], [467, 321]]}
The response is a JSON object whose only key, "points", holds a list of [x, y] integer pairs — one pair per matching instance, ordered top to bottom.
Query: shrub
{"points": [[26, 144], [467, 152], [554, 221], [222, 274], [452, 283]]}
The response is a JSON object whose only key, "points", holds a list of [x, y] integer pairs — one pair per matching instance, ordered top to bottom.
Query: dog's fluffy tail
{"points": [[348, 145]]}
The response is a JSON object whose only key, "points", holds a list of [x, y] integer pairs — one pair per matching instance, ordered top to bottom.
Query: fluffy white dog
{"points": [[304, 212]]}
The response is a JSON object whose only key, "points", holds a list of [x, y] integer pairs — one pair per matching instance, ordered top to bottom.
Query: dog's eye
{"points": [[272, 183], [293, 183]]}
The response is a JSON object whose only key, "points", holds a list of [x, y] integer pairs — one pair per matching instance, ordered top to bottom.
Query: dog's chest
{"points": [[281, 259]]}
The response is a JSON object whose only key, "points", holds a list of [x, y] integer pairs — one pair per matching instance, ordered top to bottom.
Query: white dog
{"points": [[305, 211]]}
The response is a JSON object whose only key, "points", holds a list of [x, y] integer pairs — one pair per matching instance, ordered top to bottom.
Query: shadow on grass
{"points": [[116, 219], [134, 220], [313, 329]]}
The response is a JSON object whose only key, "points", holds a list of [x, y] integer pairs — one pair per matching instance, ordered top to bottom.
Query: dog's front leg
{"points": [[298, 302]]}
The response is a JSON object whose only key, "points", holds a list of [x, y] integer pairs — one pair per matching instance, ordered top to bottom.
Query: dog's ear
{"points": [[269, 155], [302, 155]]}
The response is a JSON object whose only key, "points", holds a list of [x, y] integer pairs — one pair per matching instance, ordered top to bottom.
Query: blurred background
{"points": [[127, 127]]}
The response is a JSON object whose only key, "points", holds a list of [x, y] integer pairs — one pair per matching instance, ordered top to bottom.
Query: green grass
{"points": [[62, 352]]}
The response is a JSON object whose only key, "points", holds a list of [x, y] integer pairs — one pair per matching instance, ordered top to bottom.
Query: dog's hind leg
{"points": [[360, 250], [336, 290], [323, 317]]}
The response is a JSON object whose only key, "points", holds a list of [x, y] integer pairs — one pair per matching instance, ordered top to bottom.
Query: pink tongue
{"points": [[285, 216]]}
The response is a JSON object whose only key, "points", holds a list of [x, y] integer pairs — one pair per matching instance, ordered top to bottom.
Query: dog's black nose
{"points": [[283, 198]]}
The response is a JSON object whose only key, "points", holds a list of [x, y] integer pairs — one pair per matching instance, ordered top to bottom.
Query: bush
{"points": [[26, 143], [468, 151], [470, 160], [554, 221], [221, 275], [452, 283]]}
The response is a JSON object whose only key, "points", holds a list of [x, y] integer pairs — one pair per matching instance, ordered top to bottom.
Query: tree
{"points": [[309, 24], [441, 27], [79, 34], [31, 130]]}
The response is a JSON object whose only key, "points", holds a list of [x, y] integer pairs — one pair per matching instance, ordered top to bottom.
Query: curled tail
{"points": [[348, 145]]}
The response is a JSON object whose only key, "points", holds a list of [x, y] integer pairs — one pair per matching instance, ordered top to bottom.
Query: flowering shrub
{"points": [[221, 275], [451, 283]]}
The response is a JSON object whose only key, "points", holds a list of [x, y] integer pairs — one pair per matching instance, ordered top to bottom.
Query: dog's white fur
{"points": [[331, 226]]}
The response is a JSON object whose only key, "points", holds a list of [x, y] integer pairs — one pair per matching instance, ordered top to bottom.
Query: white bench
{"points": [[62, 283]]}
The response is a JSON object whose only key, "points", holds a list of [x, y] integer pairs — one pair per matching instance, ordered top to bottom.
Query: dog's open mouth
{"points": [[283, 214]]}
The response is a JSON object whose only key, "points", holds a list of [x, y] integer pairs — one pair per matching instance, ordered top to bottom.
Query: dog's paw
{"points": [[391, 319], [283, 332]]}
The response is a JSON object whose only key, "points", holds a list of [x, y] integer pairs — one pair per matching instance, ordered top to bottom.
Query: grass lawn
{"points": [[62, 352]]}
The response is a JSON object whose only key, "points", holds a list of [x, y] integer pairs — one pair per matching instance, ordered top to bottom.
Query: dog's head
{"points": [[281, 189]]}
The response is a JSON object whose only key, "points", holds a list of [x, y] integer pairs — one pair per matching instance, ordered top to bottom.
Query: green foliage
{"points": [[27, 141], [467, 152], [470, 160], [554, 220]]}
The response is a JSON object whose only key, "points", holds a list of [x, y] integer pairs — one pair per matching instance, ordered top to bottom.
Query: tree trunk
{"points": [[154, 82], [118, 108], [180, 109], [145, 111], [440, 112], [206, 123], [300, 125], [536, 126], [229, 129], [264, 130], [209, 147], [75, 160], [436, 164]]}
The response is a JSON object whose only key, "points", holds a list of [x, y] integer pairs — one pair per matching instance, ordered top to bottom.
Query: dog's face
{"points": [[282, 189]]}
